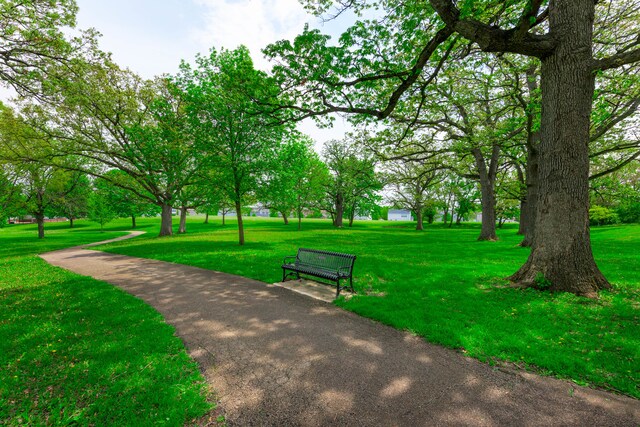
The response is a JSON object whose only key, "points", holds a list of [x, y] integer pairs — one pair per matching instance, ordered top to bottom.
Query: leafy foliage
{"points": [[32, 40], [238, 140], [100, 210], [599, 215]]}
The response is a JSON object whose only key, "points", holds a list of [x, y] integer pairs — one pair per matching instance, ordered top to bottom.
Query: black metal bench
{"points": [[333, 266]]}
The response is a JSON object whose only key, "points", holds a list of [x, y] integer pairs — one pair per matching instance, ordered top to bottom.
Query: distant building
{"points": [[260, 211], [399, 215], [362, 217]]}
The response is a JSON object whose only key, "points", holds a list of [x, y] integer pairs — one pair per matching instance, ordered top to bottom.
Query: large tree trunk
{"points": [[488, 194], [529, 205], [446, 209], [528, 210], [339, 211], [299, 212], [224, 213], [352, 215], [285, 217], [523, 217], [206, 218], [419, 220], [40, 221], [133, 221], [70, 222], [166, 224], [240, 224], [182, 228], [561, 256]]}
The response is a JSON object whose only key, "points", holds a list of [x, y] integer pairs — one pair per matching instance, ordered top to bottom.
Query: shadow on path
{"points": [[275, 357]]}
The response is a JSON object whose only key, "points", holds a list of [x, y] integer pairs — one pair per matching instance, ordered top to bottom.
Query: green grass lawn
{"points": [[447, 287], [77, 351]]}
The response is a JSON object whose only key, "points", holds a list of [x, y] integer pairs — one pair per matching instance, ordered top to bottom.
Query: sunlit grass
{"points": [[446, 286], [74, 350]]}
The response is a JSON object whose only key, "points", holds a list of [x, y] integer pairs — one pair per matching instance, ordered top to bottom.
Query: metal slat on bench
{"points": [[328, 265]]}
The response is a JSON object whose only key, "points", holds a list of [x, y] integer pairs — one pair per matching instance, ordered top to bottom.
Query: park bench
{"points": [[333, 266]]}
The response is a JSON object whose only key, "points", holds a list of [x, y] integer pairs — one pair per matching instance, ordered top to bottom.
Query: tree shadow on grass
{"points": [[82, 351], [277, 358]]}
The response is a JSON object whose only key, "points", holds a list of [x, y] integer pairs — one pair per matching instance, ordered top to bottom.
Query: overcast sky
{"points": [[151, 37]]}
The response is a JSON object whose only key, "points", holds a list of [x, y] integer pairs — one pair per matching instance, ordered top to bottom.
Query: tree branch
{"points": [[494, 39], [617, 60]]}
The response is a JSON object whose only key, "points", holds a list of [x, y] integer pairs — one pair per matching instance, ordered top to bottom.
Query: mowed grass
{"points": [[444, 285], [77, 351]]}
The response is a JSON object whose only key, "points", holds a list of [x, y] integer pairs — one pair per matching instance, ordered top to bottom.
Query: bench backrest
{"points": [[325, 259]]}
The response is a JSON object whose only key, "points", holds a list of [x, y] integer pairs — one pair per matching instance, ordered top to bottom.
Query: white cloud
{"points": [[253, 23], [151, 37]]}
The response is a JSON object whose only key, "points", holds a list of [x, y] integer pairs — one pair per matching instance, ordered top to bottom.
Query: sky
{"points": [[151, 37]]}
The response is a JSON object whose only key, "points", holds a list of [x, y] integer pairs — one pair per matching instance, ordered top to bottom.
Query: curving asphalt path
{"points": [[278, 358]]}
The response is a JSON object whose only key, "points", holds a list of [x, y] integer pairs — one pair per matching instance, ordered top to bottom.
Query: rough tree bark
{"points": [[487, 190], [529, 204], [339, 210], [528, 211], [445, 214], [352, 215], [285, 217], [419, 220], [40, 221], [133, 221], [166, 224], [240, 224], [182, 228], [561, 255]]}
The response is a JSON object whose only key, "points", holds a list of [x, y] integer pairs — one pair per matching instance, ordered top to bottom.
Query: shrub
{"points": [[629, 212], [315, 213], [599, 215]]}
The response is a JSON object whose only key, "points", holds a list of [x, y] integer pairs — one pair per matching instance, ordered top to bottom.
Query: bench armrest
{"points": [[289, 257], [346, 270]]}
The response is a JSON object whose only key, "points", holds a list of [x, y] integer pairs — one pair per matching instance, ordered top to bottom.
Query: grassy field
{"points": [[447, 287], [76, 351]]}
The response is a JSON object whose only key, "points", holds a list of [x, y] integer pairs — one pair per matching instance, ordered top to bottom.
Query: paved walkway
{"points": [[279, 358]]}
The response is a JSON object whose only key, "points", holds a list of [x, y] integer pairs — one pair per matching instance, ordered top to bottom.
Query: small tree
{"points": [[231, 129], [297, 180], [353, 182], [411, 184], [10, 194], [73, 202], [125, 203], [100, 210]]}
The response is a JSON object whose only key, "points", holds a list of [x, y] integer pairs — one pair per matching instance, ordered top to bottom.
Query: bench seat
{"points": [[332, 266]]}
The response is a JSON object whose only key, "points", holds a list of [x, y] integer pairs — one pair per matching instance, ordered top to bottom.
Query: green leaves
{"points": [[32, 40]]}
